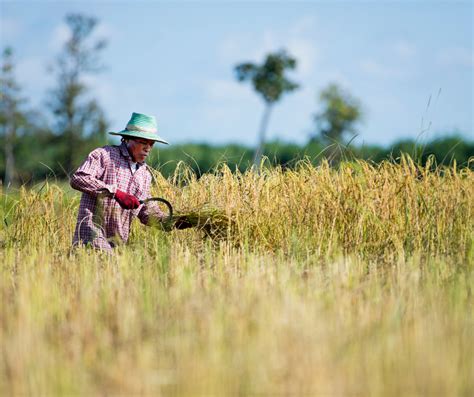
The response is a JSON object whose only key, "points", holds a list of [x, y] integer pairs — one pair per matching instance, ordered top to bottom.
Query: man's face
{"points": [[139, 149]]}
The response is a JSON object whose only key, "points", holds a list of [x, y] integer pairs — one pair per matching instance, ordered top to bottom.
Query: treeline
{"points": [[51, 142], [39, 154], [203, 157]]}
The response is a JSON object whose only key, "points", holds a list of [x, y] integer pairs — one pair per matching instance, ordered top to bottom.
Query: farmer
{"points": [[113, 180]]}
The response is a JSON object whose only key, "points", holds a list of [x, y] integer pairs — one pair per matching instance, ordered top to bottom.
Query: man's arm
{"points": [[87, 178]]}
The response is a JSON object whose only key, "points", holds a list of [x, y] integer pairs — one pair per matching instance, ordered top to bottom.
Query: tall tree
{"points": [[270, 81], [339, 115], [12, 117], [78, 118], [337, 119]]}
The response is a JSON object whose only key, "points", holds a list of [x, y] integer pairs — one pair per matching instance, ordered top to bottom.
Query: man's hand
{"points": [[126, 201]]}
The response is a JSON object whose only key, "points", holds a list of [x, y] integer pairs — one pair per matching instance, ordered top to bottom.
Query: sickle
{"points": [[168, 204]]}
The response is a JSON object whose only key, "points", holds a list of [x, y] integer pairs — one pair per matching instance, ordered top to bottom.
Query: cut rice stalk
{"points": [[214, 222]]}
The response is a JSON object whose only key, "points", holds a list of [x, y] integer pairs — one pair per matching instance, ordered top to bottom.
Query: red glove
{"points": [[126, 201]]}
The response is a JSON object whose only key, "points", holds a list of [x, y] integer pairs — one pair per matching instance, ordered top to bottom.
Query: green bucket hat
{"points": [[141, 126]]}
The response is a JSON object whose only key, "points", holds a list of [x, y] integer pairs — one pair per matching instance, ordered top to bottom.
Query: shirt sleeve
{"points": [[88, 177]]}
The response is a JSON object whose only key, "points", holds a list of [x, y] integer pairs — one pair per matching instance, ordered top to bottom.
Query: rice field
{"points": [[313, 281]]}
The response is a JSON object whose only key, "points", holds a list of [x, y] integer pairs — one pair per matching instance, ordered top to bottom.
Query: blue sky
{"points": [[175, 60]]}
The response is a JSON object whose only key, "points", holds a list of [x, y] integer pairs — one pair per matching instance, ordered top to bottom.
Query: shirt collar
{"points": [[126, 154]]}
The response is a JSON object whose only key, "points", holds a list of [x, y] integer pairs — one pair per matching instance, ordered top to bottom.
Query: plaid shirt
{"points": [[101, 221]]}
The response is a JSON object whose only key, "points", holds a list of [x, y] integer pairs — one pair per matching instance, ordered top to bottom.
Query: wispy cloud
{"points": [[303, 26], [10, 29], [105, 31], [59, 36], [296, 39], [404, 49], [306, 54], [456, 56], [379, 69], [385, 70], [32, 75], [336, 76], [102, 88], [225, 90], [226, 100]]}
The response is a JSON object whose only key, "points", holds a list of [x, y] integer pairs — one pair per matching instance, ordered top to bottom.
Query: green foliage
{"points": [[269, 79], [270, 82], [340, 113], [13, 118], [79, 121], [34, 150], [38, 150], [445, 150], [203, 158]]}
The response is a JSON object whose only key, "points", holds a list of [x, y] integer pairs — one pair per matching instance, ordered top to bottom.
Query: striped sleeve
{"points": [[88, 177]]}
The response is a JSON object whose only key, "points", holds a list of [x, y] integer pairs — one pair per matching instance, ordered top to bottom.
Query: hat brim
{"points": [[139, 134]]}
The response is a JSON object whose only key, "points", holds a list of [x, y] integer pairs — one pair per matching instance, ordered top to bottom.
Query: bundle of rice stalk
{"points": [[212, 221]]}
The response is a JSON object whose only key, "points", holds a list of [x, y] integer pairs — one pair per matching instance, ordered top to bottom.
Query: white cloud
{"points": [[303, 26], [10, 29], [104, 31], [59, 36], [297, 40], [269, 42], [232, 48], [404, 49], [306, 54], [456, 56], [399, 61], [375, 68], [32, 74], [336, 76], [102, 88], [226, 90], [118, 100], [226, 100]]}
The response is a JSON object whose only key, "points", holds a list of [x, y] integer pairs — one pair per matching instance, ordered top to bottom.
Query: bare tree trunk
{"points": [[70, 134], [261, 137], [70, 147], [9, 157]]}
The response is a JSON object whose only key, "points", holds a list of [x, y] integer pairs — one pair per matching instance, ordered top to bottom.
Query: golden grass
{"points": [[355, 281]]}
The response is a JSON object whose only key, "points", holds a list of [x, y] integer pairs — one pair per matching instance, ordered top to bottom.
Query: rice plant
{"points": [[309, 281]]}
